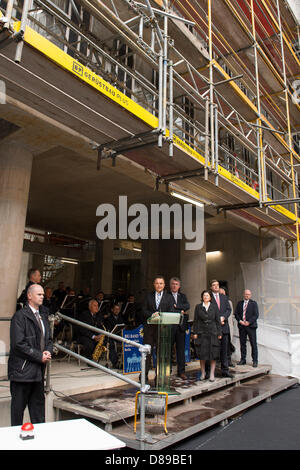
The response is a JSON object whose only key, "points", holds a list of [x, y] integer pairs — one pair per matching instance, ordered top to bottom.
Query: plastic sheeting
{"points": [[275, 285]]}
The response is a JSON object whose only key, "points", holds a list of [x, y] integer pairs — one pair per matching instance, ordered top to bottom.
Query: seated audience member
{"points": [[60, 293], [83, 299], [50, 302], [104, 304], [50, 307], [131, 312], [113, 319], [86, 337]]}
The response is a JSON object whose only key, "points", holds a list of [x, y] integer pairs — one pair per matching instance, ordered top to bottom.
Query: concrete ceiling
{"points": [[66, 187], [66, 190]]}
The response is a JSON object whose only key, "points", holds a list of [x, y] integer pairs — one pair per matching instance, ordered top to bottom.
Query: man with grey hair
{"points": [[181, 305], [86, 337], [30, 350]]}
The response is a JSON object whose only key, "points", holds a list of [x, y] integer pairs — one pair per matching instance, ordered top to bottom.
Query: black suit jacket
{"points": [[182, 304], [149, 305], [224, 311], [251, 313], [93, 320], [207, 322], [25, 357]]}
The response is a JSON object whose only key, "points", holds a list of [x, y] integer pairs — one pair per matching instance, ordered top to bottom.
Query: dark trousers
{"points": [[245, 331], [150, 337], [178, 338], [88, 346], [224, 352], [113, 355], [29, 394]]}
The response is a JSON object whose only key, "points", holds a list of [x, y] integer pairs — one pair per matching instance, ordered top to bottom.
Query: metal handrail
{"points": [[143, 348]]}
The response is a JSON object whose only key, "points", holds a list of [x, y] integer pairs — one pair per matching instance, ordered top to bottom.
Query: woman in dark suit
{"points": [[207, 333]]}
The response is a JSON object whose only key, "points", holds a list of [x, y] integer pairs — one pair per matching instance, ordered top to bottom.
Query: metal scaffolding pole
{"points": [[8, 13], [24, 19], [211, 87], [171, 108], [288, 124], [260, 153], [144, 350]]}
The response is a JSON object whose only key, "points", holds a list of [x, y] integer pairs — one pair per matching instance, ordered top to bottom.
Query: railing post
{"points": [[20, 44], [142, 386]]}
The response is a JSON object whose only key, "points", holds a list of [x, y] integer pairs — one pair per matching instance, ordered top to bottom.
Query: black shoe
{"points": [[241, 363], [230, 364], [254, 364], [227, 374], [182, 376]]}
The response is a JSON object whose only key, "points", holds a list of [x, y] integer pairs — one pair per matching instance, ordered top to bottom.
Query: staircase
{"points": [[197, 405]]}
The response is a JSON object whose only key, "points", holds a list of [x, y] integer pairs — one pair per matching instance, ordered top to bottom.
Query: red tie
{"points": [[218, 300], [244, 310]]}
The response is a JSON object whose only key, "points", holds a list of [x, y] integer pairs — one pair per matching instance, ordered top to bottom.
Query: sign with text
{"points": [[131, 354]]}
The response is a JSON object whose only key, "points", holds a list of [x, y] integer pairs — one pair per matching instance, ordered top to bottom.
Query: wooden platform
{"points": [[197, 406]]}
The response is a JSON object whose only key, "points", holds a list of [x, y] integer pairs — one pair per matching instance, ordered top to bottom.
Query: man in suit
{"points": [[34, 277], [157, 301], [182, 306], [224, 308], [246, 314], [113, 319], [86, 337], [30, 350]]}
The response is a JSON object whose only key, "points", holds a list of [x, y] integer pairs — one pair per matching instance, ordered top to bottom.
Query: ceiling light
{"points": [[187, 198], [69, 261]]}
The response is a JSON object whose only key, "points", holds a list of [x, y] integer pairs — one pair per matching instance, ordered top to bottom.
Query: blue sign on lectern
{"points": [[131, 354]]}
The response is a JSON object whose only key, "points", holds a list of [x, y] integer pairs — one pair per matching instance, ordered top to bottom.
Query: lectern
{"points": [[164, 323]]}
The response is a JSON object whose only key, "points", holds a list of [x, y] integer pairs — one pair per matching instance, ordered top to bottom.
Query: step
{"points": [[111, 405], [185, 420]]}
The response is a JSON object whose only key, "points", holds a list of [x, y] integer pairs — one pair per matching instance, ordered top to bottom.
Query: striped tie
{"points": [[158, 299], [244, 310], [38, 318]]}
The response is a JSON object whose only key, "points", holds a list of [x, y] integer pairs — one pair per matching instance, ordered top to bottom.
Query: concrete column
{"points": [[15, 173], [159, 257], [103, 266], [193, 274]]}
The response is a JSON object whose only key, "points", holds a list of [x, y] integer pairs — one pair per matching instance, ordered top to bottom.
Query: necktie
{"points": [[158, 295], [218, 300], [244, 310], [38, 319]]}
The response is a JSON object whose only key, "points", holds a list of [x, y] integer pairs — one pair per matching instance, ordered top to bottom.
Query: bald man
{"points": [[246, 314], [30, 350]]}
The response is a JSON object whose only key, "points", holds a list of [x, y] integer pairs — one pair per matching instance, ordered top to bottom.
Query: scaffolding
{"points": [[227, 99]]}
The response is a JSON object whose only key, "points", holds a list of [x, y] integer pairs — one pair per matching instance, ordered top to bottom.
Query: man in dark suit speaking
{"points": [[157, 301], [246, 314]]}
